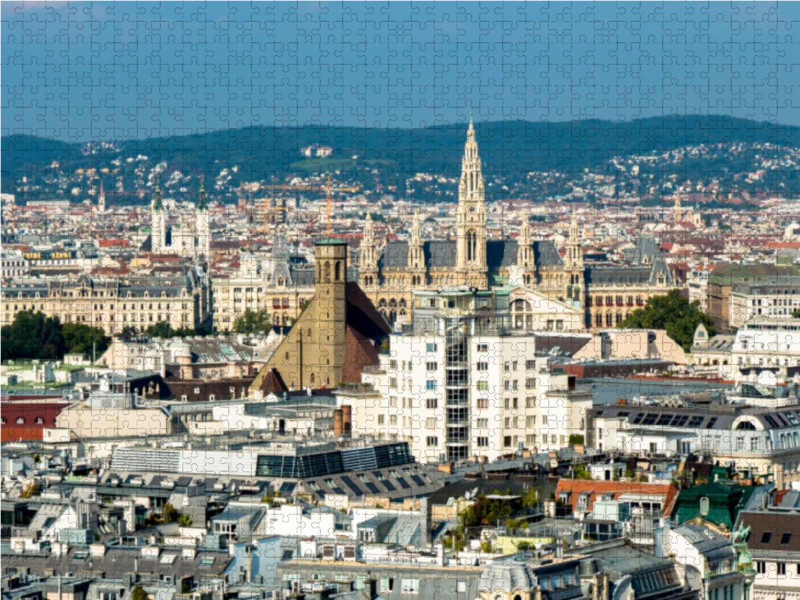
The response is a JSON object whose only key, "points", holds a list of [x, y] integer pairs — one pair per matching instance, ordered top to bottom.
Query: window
{"points": [[431, 347], [483, 347], [393, 364], [514, 365], [530, 365], [431, 366], [483, 366], [393, 382], [530, 383], [507, 385], [430, 386], [483, 386], [530, 402], [431, 403], [482, 403], [381, 419], [392, 419], [544, 419], [530, 421], [430, 423], [482, 423], [432, 441], [507, 441], [482, 442], [740, 443], [704, 506], [766, 537], [786, 537], [761, 567], [781, 568], [386, 584], [410, 586], [461, 586]]}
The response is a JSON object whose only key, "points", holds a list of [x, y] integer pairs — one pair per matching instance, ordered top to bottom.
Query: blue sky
{"points": [[99, 71]]}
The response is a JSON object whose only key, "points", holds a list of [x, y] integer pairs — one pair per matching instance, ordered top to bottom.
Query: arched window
{"points": [[472, 245], [337, 271], [326, 272], [309, 332], [313, 378], [20, 421]]}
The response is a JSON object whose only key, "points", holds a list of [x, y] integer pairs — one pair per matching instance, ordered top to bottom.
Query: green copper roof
{"points": [[202, 201], [157, 204], [328, 241], [724, 502]]}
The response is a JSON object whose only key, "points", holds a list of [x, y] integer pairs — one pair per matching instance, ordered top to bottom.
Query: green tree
{"points": [[673, 313], [796, 313], [251, 321], [161, 329], [128, 333], [32, 335], [79, 338], [580, 472], [169, 514], [185, 520], [138, 593]]}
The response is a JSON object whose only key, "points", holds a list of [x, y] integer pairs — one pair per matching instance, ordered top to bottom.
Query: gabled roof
{"points": [[666, 492]]}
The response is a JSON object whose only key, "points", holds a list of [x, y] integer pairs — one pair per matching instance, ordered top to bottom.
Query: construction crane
{"points": [[307, 188]]}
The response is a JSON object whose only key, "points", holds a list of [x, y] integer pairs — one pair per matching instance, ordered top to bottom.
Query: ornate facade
{"points": [[190, 240], [607, 294], [111, 304]]}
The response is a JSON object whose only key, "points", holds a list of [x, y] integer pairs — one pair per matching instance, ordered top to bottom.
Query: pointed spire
{"points": [[202, 202], [157, 203], [416, 230], [368, 231]]}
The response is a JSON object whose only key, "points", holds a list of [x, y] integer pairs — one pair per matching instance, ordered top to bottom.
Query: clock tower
{"points": [[471, 217]]}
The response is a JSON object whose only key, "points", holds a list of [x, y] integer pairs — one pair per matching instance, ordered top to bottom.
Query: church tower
{"points": [[101, 201], [471, 217], [158, 223], [203, 226], [524, 250], [416, 253], [574, 260], [368, 270]]}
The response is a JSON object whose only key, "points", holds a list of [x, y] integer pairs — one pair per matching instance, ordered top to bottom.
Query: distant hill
{"points": [[509, 149]]}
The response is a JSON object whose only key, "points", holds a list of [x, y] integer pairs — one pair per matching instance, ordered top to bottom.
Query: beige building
{"points": [[111, 304]]}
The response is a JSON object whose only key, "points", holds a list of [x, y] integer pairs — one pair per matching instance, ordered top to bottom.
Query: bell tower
{"points": [[471, 217], [158, 223], [416, 253], [574, 260], [368, 270]]}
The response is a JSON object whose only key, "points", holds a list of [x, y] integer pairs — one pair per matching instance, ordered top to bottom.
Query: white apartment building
{"points": [[14, 266], [698, 285], [775, 300], [765, 349], [459, 384], [755, 427]]}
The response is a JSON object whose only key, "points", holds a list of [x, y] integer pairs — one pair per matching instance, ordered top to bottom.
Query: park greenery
{"points": [[673, 313], [252, 321], [34, 335]]}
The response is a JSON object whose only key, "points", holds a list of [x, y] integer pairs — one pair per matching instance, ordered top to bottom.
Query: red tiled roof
{"points": [[114, 243], [21, 434], [576, 487]]}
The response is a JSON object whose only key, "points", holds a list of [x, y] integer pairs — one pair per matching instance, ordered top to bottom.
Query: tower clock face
{"points": [[472, 209]]}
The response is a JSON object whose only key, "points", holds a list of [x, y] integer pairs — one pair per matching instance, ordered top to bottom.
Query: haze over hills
{"points": [[648, 157]]}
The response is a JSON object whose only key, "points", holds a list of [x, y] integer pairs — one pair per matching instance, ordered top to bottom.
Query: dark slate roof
{"points": [[645, 252], [499, 253], [618, 275], [777, 525]]}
